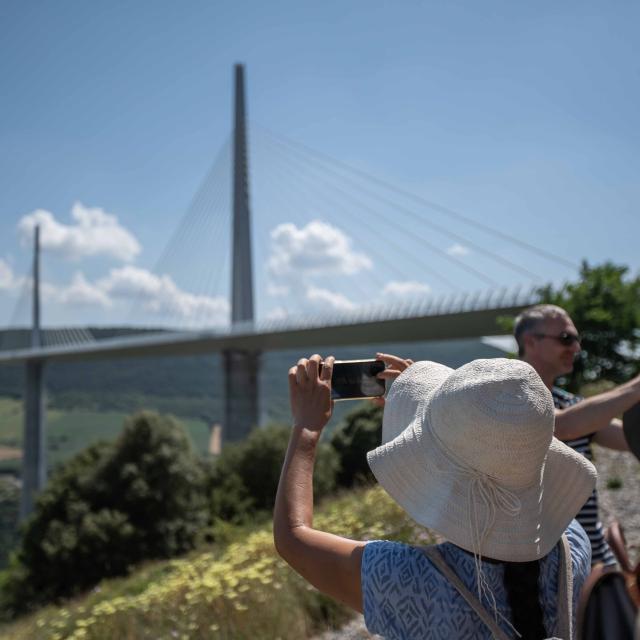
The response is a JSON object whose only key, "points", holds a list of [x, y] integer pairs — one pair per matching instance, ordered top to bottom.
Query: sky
{"points": [[115, 120]]}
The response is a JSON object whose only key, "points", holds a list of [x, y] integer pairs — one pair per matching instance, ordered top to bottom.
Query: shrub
{"points": [[360, 432], [244, 478], [614, 483], [9, 503], [109, 507]]}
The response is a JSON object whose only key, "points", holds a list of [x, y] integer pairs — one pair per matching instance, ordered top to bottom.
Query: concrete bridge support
{"points": [[240, 366], [241, 393], [34, 463]]}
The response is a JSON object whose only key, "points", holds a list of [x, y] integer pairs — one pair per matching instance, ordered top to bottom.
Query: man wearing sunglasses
{"points": [[548, 340]]}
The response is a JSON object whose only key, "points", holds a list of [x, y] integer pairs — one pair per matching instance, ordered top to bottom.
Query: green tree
{"points": [[605, 307], [359, 433], [244, 478], [9, 501], [108, 508]]}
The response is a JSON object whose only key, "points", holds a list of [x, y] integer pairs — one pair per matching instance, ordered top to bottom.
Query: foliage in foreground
{"points": [[361, 431], [244, 478], [145, 496], [110, 507], [242, 591]]}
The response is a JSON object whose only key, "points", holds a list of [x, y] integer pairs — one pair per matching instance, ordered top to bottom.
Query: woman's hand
{"points": [[394, 367], [310, 392]]}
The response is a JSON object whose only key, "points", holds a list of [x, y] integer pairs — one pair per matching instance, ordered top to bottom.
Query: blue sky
{"points": [[523, 116]]}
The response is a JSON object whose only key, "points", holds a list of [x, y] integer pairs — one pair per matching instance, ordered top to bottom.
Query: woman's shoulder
{"points": [[379, 553]]}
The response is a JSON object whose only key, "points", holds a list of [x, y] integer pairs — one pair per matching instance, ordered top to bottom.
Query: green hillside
{"points": [[69, 431], [241, 590]]}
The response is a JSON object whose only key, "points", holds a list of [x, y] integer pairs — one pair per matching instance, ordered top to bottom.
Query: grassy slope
{"points": [[70, 431], [240, 590]]}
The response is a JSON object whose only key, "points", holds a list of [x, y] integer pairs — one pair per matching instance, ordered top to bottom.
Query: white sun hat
{"points": [[470, 453]]}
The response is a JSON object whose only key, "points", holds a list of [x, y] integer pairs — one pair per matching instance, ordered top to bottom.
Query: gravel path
{"points": [[615, 469], [623, 503]]}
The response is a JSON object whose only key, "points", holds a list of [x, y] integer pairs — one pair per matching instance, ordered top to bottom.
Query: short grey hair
{"points": [[530, 318]]}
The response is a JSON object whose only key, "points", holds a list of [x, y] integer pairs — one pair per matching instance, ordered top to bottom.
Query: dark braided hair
{"points": [[521, 584]]}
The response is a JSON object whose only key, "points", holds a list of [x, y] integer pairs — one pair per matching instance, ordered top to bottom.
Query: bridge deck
{"points": [[465, 324]]}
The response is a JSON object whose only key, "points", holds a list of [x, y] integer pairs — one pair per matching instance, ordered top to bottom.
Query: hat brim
{"points": [[419, 478]]}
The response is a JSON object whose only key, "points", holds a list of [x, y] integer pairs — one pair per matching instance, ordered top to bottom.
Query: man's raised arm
{"points": [[596, 414]]}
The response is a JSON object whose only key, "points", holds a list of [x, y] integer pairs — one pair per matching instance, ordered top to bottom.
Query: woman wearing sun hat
{"points": [[470, 454]]}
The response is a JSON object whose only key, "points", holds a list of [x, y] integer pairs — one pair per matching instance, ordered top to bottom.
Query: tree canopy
{"points": [[604, 304]]}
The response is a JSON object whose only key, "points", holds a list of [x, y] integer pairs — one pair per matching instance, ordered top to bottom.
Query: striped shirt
{"points": [[588, 515]]}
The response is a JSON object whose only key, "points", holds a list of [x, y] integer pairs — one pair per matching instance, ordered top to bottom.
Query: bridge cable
{"points": [[425, 202], [220, 214], [415, 216], [216, 217], [189, 224], [367, 229], [193, 230], [206, 232], [181, 234], [401, 249], [472, 270], [328, 281]]}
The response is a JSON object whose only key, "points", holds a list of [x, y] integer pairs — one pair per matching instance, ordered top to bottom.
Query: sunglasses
{"points": [[565, 339]]}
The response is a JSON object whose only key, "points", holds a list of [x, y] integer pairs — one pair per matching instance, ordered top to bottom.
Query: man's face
{"points": [[544, 347]]}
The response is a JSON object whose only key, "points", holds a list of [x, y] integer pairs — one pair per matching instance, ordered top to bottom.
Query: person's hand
{"points": [[394, 367], [310, 392]]}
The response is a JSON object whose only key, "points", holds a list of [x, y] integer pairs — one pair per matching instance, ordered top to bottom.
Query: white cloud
{"points": [[94, 232], [316, 249], [457, 250], [301, 257], [7, 279], [407, 289], [83, 293], [160, 295], [323, 299]]}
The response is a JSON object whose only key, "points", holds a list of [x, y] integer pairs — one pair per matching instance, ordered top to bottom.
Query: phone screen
{"points": [[353, 379]]}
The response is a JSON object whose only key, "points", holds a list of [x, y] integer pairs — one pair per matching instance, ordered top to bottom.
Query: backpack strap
{"points": [[436, 558], [565, 591]]}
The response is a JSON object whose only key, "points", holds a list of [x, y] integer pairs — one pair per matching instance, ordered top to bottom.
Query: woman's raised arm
{"points": [[329, 562]]}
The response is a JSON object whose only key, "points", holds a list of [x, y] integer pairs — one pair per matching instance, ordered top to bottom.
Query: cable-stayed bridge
{"points": [[389, 222]]}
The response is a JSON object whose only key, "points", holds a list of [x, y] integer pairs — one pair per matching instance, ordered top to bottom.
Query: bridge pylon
{"points": [[240, 365]]}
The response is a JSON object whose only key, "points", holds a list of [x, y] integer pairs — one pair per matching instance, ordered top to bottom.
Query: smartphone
{"points": [[356, 379]]}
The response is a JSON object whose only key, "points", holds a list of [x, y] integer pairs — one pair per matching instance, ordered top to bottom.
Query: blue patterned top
{"points": [[406, 598]]}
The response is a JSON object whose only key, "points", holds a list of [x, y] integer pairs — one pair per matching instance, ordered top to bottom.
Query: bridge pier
{"points": [[240, 365], [241, 411], [34, 466]]}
